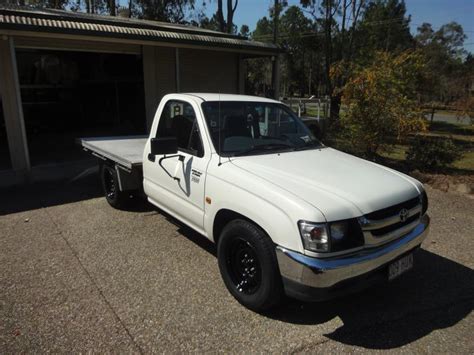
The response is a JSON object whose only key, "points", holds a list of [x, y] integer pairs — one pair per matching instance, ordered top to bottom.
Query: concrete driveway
{"points": [[79, 276]]}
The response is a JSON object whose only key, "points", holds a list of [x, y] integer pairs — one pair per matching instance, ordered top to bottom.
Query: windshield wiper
{"points": [[309, 145], [263, 147]]}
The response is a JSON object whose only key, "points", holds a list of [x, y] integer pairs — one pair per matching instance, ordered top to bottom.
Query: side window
{"points": [[179, 120]]}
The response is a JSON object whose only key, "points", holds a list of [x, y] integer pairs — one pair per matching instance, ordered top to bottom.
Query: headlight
{"points": [[339, 230], [345, 235], [315, 236], [331, 237]]}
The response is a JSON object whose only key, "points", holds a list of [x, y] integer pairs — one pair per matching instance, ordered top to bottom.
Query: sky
{"points": [[436, 12]]}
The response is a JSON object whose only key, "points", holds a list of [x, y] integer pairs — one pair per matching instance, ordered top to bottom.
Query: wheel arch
{"points": [[225, 216]]}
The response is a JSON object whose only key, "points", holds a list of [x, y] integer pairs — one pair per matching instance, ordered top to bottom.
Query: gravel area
{"points": [[79, 276]]}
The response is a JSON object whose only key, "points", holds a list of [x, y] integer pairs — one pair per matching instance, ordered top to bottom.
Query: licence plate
{"points": [[400, 266]]}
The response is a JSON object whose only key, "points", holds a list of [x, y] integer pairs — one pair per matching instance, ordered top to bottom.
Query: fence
{"points": [[314, 107]]}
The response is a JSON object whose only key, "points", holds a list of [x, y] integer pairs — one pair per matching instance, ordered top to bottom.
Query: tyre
{"points": [[110, 185], [248, 265]]}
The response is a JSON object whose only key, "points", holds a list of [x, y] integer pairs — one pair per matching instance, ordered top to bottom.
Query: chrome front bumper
{"points": [[324, 273]]}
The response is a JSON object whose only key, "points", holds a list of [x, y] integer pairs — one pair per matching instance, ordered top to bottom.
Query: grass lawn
{"points": [[313, 112], [462, 136], [466, 162]]}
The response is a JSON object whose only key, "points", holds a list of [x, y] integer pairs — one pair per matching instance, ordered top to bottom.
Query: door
{"points": [[176, 182]]}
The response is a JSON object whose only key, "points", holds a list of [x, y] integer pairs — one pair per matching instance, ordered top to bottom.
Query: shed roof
{"points": [[26, 18]]}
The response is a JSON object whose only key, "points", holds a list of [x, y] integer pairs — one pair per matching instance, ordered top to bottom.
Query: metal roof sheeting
{"points": [[58, 21]]}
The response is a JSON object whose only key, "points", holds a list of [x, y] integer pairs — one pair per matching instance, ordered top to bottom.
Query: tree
{"points": [[52, 4], [92, 6], [112, 7], [328, 9], [164, 10], [275, 13], [230, 15], [220, 16], [208, 23], [226, 25], [385, 26], [263, 30], [338, 30], [244, 31], [299, 51], [444, 54], [258, 77], [381, 102], [465, 103]]}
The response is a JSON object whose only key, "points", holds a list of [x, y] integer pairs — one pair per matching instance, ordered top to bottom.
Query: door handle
{"points": [[151, 157]]}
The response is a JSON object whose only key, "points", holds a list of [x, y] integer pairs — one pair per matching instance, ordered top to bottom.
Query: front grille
{"points": [[393, 210], [386, 224], [394, 227]]}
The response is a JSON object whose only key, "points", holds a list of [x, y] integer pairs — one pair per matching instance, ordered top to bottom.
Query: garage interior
{"points": [[67, 75], [69, 94]]}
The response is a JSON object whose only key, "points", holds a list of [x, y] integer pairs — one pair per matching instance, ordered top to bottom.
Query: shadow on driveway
{"points": [[53, 193], [46, 194], [436, 294]]}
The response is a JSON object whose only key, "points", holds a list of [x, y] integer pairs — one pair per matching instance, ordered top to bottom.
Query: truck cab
{"points": [[288, 214]]}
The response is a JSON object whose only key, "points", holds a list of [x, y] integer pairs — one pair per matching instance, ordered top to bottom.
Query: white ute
{"points": [[288, 214]]}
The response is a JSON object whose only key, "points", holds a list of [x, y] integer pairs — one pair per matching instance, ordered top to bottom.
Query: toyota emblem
{"points": [[403, 215]]}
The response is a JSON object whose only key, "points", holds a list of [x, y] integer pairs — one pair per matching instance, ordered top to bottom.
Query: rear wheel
{"points": [[110, 185], [248, 265]]}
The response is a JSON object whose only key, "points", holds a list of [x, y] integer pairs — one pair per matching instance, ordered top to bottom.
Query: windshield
{"points": [[247, 128]]}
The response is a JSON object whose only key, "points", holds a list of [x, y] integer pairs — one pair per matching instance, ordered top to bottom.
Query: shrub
{"points": [[381, 104], [430, 153]]}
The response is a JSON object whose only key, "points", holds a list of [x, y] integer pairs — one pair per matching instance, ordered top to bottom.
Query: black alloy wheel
{"points": [[248, 265], [244, 267]]}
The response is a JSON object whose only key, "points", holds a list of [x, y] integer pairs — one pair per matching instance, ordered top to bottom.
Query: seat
{"points": [[236, 126], [181, 127]]}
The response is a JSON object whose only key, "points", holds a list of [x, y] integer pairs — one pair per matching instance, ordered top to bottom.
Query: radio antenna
{"points": [[219, 130]]}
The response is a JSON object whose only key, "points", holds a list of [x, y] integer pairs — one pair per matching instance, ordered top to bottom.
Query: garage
{"points": [[67, 75], [68, 94]]}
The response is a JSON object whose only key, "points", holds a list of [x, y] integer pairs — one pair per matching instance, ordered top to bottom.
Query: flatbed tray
{"points": [[124, 150]]}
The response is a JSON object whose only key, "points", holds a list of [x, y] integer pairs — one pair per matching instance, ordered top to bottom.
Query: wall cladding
{"points": [[159, 67], [208, 71]]}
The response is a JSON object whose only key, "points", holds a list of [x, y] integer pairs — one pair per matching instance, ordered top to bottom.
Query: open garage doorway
{"points": [[69, 94]]}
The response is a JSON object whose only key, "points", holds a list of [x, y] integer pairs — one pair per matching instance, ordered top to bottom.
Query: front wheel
{"points": [[248, 265]]}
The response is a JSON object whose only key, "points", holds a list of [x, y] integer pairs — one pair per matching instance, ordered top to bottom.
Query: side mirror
{"points": [[165, 145]]}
